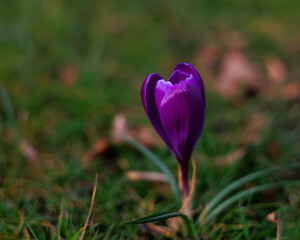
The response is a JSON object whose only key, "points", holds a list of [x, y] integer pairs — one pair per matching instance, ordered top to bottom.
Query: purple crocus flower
{"points": [[176, 109]]}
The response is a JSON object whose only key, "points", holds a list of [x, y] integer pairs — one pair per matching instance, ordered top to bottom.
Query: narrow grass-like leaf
{"points": [[7, 106], [157, 162], [221, 195], [240, 195], [91, 207], [166, 215], [28, 216], [150, 217], [59, 223], [1, 225], [245, 229], [31, 230], [76, 235], [96, 235], [107, 235], [121, 237], [238, 237]]}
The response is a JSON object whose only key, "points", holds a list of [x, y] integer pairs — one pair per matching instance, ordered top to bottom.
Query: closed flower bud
{"points": [[176, 109]]}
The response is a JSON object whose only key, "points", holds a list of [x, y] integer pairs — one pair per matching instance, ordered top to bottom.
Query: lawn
{"points": [[70, 79]]}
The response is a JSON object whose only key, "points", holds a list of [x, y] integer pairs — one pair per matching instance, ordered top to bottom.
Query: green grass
{"points": [[112, 46]]}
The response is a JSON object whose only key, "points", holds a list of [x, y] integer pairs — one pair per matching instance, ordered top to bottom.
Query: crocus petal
{"points": [[188, 69], [177, 77], [149, 83], [161, 88], [148, 93], [197, 109], [175, 118]]}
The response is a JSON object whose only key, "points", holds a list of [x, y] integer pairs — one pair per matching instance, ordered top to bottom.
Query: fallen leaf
{"points": [[207, 56], [276, 70], [236, 73], [68, 75], [290, 91], [119, 126], [251, 131], [144, 135], [148, 137], [99, 147], [29, 152], [230, 158], [146, 176], [160, 230]]}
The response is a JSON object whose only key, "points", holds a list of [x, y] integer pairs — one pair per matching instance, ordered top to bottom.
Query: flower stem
{"points": [[185, 180]]}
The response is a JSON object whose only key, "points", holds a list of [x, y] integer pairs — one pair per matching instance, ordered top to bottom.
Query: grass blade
{"points": [[7, 106], [157, 162], [240, 195], [220, 196], [91, 207], [152, 216], [163, 216], [59, 223], [1, 225], [31, 230], [76, 235], [107, 235], [121, 237]]}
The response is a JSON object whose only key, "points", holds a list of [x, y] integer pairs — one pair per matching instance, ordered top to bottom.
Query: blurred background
{"points": [[71, 73]]}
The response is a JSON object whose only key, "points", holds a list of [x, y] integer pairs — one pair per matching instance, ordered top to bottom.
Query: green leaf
{"points": [[7, 106], [157, 162], [226, 191], [241, 195], [166, 215], [154, 217], [59, 223], [31, 230], [76, 235], [107, 235], [121, 237]]}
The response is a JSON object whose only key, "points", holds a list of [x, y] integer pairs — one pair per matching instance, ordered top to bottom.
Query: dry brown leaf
{"points": [[207, 56], [276, 70], [236, 72], [68, 75], [290, 91], [119, 126], [251, 131], [144, 135], [147, 137], [99, 147], [29, 152], [230, 158], [146, 176], [151, 204], [273, 219], [161, 230]]}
